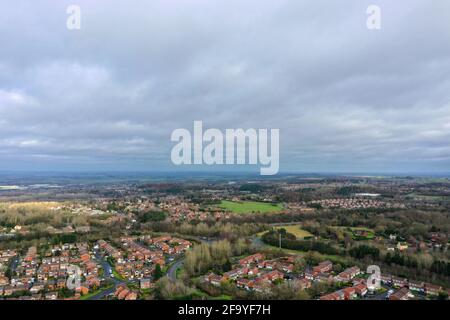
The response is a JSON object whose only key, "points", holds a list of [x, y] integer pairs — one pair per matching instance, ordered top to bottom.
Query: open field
{"points": [[11, 188], [422, 197], [39, 205], [250, 206], [294, 229], [359, 233], [332, 258]]}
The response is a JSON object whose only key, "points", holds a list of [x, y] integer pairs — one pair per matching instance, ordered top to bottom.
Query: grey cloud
{"points": [[345, 98]]}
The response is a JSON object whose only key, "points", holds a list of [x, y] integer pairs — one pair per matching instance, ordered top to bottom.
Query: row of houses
{"points": [[356, 203], [180, 210], [168, 244], [109, 249], [137, 252], [6, 257], [136, 261], [320, 272], [48, 273], [254, 273], [323, 273], [348, 274], [262, 282], [420, 286], [359, 289], [124, 293], [401, 294], [38, 296]]}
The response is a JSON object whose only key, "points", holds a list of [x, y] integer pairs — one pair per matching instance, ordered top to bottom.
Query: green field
{"points": [[422, 197], [250, 207], [294, 229], [370, 234], [332, 258], [180, 273], [117, 275]]}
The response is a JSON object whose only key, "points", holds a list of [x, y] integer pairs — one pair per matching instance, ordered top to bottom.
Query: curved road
{"points": [[172, 271], [171, 274], [107, 275]]}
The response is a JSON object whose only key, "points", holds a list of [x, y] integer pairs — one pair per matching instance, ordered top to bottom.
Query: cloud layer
{"points": [[107, 97]]}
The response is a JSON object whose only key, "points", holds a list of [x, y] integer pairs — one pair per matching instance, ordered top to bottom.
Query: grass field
{"points": [[422, 197], [43, 205], [250, 206], [294, 229], [369, 233], [332, 258], [180, 273], [117, 275]]}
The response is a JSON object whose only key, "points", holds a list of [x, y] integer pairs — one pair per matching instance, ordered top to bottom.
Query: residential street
{"points": [[172, 271], [107, 275]]}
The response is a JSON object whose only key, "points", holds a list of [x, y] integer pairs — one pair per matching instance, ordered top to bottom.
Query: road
{"points": [[13, 265], [107, 271], [172, 271], [107, 275], [104, 293], [378, 296], [385, 296]]}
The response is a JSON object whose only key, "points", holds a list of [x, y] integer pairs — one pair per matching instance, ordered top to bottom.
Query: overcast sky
{"points": [[108, 96]]}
